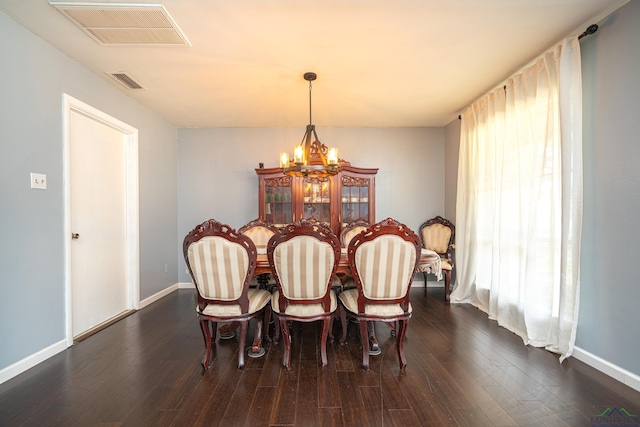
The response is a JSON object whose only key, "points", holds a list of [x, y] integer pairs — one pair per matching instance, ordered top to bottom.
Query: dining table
{"points": [[429, 263]]}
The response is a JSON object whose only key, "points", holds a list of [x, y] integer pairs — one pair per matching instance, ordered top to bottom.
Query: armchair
{"points": [[260, 232], [348, 232], [438, 235], [304, 257], [383, 260], [221, 263]]}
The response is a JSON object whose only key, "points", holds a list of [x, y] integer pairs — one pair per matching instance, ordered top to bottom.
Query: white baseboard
{"points": [[418, 282], [431, 284], [186, 285], [163, 293], [155, 297], [32, 360], [608, 368]]}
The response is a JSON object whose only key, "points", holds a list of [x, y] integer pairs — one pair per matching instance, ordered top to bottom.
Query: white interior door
{"points": [[101, 283]]}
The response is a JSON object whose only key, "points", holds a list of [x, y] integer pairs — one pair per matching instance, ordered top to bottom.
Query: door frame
{"points": [[132, 224]]}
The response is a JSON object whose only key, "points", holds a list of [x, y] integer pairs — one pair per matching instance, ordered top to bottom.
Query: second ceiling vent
{"points": [[125, 79]]}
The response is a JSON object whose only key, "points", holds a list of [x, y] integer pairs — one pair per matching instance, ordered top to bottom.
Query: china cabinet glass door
{"points": [[317, 199], [355, 200], [278, 207]]}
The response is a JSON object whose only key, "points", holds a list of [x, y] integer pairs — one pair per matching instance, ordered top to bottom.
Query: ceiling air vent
{"points": [[124, 24], [126, 80]]}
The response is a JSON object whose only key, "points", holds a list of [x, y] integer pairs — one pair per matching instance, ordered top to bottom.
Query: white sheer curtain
{"points": [[519, 202]]}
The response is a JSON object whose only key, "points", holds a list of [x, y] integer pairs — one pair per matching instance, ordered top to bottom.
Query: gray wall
{"points": [[33, 77], [216, 176], [610, 288], [610, 294]]}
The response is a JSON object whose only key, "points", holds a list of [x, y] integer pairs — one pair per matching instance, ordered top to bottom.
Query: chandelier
{"points": [[310, 157]]}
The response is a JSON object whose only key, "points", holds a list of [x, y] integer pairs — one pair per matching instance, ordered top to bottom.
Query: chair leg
{"points": [[424, 274], [447, 284], [343, 322], [265, 323], [326, 325], [331, 326], [276, 327], [402, 330], [214, 331], [206, 334], [286, 336], [243, 337], [364, 337]]}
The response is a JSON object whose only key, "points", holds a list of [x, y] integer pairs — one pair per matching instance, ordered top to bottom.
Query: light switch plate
{"points": [[38, 181]]}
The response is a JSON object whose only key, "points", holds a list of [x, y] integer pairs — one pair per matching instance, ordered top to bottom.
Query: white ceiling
{"points": [[380, 63]]}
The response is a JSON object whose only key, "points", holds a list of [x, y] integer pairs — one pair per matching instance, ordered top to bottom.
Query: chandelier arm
{"points": [[315, 134], [305, 137], [307, 144]]}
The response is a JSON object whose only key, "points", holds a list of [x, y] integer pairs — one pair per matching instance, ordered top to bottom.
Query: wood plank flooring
{"points": [[462, 370]]}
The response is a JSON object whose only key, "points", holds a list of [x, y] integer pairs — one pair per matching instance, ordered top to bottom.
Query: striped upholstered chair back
{"points": [[350, 230], [259, 232], [305, 258], [383, 260], [221, 262], [386, 265]]}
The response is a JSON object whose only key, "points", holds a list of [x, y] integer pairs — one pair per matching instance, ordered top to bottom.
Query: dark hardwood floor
{"points": [[462, 370]]}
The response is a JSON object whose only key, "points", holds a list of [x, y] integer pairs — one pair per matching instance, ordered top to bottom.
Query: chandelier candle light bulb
{"points": [[298, 155], [332, 156], [284, 160]]}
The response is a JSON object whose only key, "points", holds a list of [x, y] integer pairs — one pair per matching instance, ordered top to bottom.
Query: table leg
{"points": [[228, 330]]}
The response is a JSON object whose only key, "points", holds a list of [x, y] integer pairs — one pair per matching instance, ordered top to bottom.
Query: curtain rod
{"points": [[590, 30]]}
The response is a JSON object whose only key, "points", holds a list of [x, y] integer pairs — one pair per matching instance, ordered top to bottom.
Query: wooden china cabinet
{"points": [[336, 200]]}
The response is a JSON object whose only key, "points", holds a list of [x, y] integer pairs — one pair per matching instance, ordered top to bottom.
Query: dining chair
{"points": [[352, 229], [260, 232], [348, 232], [438, 235], [304, 258], [383, 260], [221, 262]]}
